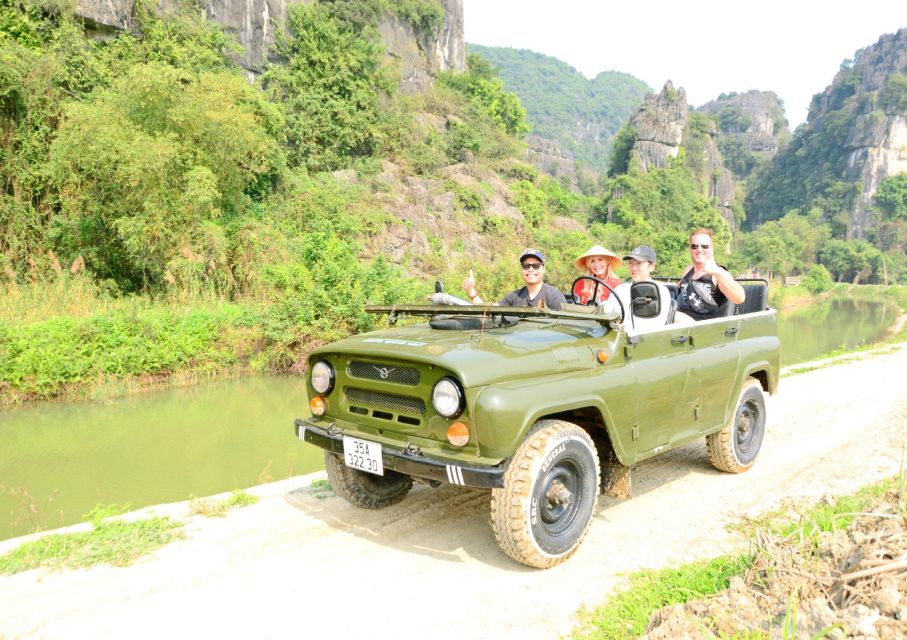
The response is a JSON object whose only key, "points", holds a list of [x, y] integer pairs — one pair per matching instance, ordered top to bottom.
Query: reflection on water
{"points": [[833, 324], [58, 460]]}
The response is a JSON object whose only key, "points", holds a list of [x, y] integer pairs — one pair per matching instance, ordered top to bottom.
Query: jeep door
{"points": [[716, 360], [667, 386]]}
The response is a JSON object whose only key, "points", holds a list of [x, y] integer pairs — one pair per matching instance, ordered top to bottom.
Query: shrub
{"points": [[818, 279]]}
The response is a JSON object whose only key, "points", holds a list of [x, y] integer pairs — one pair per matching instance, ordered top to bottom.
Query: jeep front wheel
{"points": [[735, 447], [363, 489], [550, 490]]}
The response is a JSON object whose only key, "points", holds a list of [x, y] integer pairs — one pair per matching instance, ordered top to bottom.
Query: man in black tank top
{"points": [[706, 289]]}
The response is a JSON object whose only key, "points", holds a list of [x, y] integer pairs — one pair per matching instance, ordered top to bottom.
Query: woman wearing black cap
{"points": [[536, 293]]}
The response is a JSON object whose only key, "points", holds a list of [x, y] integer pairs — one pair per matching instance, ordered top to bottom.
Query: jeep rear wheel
{"points": [[735, 447], [363, 489], [550, 490]]}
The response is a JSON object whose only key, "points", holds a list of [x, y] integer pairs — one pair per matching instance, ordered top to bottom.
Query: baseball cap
{"points": [[529, 251], [641, 253]]}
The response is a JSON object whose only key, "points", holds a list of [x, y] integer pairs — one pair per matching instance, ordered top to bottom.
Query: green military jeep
{"points": [[545, 408]]}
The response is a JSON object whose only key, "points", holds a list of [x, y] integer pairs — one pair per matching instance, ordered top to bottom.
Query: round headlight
{"points": [[322, 377], [446, 398]]}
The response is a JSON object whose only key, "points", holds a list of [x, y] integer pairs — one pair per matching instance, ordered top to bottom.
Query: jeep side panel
{"points": [[717, 352], [668, 387], [503, 413]]}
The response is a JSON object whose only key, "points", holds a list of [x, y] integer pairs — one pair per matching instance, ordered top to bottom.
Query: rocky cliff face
{"points": [[253, 23], [422, 56], [755, 119], [659, 123], [663, 125], [877, 145], [561, 165], [722, 188]]}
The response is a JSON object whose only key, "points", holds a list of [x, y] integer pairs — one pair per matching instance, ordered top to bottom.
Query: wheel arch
{"points": [[763, 373], [592, 420]]}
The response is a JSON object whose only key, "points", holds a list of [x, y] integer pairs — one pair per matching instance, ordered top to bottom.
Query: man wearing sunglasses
{"points": [[706, 289], [536, 293]]}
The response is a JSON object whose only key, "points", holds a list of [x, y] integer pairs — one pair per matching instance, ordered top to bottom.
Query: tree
{"points": [[327, 79], [485, 90], [150, 170], [891, 197]]}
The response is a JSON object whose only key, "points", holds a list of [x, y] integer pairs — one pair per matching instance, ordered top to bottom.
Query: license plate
{"points": [[363, 455]]}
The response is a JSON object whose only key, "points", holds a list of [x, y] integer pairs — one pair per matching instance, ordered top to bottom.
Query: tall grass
{"points": [[67, 295]]}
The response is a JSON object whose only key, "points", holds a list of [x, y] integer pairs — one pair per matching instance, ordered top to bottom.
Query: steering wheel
{"points": [[598, 285]]}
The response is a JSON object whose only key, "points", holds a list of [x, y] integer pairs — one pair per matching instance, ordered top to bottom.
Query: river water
{"points": [[59, 460]]}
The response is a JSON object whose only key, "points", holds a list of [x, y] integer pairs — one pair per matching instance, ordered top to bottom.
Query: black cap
{"points": [[532, 252], [641, 253]]}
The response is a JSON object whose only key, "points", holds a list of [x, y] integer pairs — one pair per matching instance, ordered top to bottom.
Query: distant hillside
{"points": [[579, 114]]}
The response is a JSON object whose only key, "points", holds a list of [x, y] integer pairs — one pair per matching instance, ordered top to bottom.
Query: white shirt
{"points": [[637, 324]]}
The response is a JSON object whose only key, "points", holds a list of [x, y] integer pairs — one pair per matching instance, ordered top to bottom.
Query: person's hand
{"points": [[711, 268], [469, 284]]}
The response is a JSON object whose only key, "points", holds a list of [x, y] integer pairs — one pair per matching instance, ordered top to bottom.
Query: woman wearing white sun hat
{"points": [[599, 263]]}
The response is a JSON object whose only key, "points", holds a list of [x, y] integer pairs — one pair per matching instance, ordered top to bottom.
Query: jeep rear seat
{"points": [[756, 297]]}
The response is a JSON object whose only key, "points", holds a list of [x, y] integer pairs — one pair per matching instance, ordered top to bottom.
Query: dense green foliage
{"points": [[425, 16], [328, 80], [487, 92], [563, 105], [809, 173], [660, 208], [797, 243], [39, 359]]}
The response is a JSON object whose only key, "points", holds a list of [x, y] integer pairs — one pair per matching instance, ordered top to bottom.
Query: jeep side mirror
{"points": [[439, 288], [645, 300]]}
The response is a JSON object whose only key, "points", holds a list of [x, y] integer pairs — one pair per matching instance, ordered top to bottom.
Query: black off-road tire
{"points": [[735, 447], [363, 489], [550, 491]]}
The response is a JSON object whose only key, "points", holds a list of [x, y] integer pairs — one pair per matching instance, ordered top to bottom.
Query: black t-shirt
{"points": [[551, 296], [701, 299]]}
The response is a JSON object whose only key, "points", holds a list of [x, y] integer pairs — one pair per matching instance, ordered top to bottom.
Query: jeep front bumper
{"points": [[410, 462]]}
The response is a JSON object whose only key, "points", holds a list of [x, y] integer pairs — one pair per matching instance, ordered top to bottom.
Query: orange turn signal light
{"points": [[601, 355], [317, 405], [458, 434]]}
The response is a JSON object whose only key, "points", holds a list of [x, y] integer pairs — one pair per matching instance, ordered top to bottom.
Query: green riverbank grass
{"points": [[42, 359], [211, 508], [111, 541], [626, 614]]}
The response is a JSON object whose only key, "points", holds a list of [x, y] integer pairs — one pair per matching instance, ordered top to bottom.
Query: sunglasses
{"points": [[699, 246], [532, 266]]}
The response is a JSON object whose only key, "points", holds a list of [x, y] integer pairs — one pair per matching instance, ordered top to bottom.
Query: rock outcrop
{"points": [[254, 22], [422, 56], [755, 119], [659, 124], [662, 126], [877, 145], [561, 165], [722, 187]]}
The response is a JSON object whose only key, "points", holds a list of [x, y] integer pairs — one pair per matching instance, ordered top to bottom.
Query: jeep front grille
{"points": [[381, 371], [387, 401]]}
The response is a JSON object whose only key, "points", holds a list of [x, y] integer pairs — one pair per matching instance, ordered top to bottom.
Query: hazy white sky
{"points": [[792, 47]]}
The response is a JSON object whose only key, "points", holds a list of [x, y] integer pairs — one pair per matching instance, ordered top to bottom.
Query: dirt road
{"points": [[295, 565]]}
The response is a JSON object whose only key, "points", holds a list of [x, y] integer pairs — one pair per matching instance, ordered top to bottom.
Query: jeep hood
{"points": [[527, 350]]}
